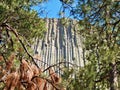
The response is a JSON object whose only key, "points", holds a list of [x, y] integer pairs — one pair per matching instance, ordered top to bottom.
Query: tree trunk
{"points": [[113, 77]]}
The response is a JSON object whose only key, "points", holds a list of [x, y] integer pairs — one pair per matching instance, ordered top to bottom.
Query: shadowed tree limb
{"points": [[8, 27]]}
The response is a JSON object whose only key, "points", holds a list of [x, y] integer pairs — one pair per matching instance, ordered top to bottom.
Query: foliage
{"points": [[19, 21], [99, 24], [19, 26], [26, 77]]}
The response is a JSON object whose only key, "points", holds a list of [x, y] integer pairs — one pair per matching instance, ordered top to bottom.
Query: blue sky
{"points": [[51, 7]]}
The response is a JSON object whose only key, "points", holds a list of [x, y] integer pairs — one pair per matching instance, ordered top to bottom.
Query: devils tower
{"points": [[60, 44]]}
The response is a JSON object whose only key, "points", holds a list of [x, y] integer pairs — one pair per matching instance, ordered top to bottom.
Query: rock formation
{"points": [[61, 43]]}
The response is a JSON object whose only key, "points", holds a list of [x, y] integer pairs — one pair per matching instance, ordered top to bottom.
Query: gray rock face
{"points": [[61, 44]]}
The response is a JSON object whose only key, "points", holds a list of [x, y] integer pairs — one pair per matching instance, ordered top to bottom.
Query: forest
{"points": [[98, 23]]}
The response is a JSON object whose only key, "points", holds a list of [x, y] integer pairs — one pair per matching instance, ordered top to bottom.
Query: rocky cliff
{"points": [[61, 43]]}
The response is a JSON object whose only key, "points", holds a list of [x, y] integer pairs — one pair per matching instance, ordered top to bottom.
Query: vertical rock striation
{"points": [[61, 43]]}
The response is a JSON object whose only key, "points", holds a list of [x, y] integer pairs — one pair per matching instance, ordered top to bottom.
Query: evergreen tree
{"points": [[19, 24], [99, 24]]}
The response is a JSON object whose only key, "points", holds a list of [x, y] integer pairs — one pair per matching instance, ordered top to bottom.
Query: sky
{"points": [[51, 7]]}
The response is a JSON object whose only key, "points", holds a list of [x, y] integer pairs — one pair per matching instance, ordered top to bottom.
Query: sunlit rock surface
{"points": [[61, 44]]}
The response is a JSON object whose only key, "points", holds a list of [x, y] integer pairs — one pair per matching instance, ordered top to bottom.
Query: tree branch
{"points": [[8, 27], [59, 64]]}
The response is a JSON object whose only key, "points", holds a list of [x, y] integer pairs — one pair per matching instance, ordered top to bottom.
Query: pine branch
{"points": [[8, 27]]}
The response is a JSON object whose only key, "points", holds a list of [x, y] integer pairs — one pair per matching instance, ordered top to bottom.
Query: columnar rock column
{"points": [[61, 43]]}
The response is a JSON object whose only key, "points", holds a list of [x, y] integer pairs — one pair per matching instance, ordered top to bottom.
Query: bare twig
{"points": [[40, 61], [59, 64]]}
